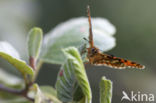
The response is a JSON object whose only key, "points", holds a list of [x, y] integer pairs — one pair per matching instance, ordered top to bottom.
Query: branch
{"points": [[16, 92]]}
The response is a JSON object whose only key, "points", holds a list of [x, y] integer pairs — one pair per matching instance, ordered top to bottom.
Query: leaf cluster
{"points": [[65, 46]]}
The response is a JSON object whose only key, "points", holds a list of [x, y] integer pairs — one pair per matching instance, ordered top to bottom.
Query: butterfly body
{"points": [[96, 57]]}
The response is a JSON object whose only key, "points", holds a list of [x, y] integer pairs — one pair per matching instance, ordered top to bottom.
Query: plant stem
{"points": [[32, 62], [39, 65], [16, 92], [24, 92]]}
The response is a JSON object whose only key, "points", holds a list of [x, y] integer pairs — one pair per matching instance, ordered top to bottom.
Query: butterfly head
{"points": [[92, 51]]}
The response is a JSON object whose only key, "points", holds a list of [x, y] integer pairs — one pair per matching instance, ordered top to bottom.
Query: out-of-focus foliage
{"points": [[16, 17], [71, 33], [8, 53], [10, 80], [51, 93], [40, 97], [15, 100]]}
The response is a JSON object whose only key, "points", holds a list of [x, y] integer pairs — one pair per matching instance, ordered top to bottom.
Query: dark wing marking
{"points": [[116, 62]]}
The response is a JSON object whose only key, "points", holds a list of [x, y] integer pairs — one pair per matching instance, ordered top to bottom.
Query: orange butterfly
{"points": [[98, 58]]}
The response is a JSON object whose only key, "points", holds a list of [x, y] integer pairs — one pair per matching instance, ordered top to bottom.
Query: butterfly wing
{"points": [[98, 58], [115, 62]]}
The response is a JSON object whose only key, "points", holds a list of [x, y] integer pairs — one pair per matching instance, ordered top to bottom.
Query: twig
{"points": [[32, 62], [39, 65], [16, 92], [24, 92]]}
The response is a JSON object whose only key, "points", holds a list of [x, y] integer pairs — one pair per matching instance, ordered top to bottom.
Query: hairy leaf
{"points": [[71, 33], [34, 42], [8, 53], [10, 80], [72, 82], [105, 90], [50, 92], [44, 96]]}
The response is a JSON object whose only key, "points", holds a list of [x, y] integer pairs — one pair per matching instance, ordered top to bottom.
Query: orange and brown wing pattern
{"points": [[97, 58], [115, 62]]}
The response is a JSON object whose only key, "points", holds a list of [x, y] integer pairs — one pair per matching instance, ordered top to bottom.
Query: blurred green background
{"points": [[136, 37]]}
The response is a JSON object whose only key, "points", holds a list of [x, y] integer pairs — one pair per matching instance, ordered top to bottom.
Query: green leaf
{"points": [[71, 33], [34, 41], [8, 53], [79, 71], [10, 80], [72, 82], [66, 83], [105, 90], [50, 92], [44, 96], [6, 97], [39, 97], [16, 100]]}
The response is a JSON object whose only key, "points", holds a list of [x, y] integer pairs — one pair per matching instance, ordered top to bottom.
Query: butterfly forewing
{"points": [[98, 58], [116, 62]]}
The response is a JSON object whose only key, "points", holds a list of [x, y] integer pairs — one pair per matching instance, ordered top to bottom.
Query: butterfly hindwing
{"points": [[115, 62]]}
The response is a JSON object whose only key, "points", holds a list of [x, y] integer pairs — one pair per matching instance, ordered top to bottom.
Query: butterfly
{"points": [[96, 57]]}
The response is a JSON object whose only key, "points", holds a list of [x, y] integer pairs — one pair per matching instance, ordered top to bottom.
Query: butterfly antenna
{"points": [[90, 27], [88, 41]]}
